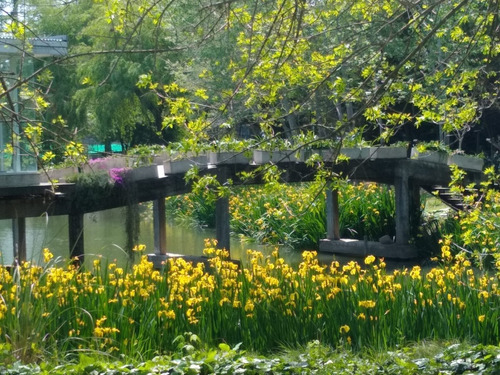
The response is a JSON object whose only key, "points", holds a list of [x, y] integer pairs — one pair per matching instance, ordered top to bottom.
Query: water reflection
{"points": [[105, 237]]}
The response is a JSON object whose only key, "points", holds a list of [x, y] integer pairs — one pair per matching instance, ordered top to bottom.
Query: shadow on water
{"points": [[105, 238]]}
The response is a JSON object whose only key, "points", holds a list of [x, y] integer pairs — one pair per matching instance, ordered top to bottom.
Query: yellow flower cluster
{"points": [[265, 301], [101, 331]]}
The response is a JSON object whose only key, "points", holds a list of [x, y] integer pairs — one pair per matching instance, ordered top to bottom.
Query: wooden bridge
{"points": [[166, 177]]}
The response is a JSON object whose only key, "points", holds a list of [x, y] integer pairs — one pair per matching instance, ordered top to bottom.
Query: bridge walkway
{"points": [[166, 177]]}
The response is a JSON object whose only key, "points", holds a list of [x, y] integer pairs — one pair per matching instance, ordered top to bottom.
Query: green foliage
{"points": [[297, 61], [274, 69], [432, 146], [75, 154], [145, 154], [91, 187], [192, 209], [293, 215], [480, 221], [433, 230], [87, 318], [315, 358]]}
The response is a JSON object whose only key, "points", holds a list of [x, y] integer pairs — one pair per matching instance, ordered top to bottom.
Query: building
{"points": [[18, 163]]}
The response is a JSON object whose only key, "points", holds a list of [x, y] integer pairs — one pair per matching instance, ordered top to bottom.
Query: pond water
{"points": [[105, 237]]}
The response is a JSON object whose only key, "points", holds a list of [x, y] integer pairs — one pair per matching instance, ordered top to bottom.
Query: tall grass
{"points": [[192, 209], [294, 214], [58, 310]]}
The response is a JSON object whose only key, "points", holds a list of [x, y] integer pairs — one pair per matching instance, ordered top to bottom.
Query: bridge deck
{"points": [[167, 178], [62, 198]]}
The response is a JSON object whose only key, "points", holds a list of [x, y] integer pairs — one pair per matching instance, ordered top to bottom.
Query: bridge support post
{"points": [[407, 200], [332, 214], [160, 223], [222, 230], [19, 239], [76, 245]]}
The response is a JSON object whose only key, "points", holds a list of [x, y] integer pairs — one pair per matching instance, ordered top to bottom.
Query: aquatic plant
{"points": [[294, 214], [57, 309]]}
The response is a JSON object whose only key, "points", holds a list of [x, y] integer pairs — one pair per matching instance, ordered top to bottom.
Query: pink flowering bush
{"points": [[118, 175]]}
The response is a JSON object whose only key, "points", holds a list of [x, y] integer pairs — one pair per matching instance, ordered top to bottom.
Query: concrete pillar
{"points": [[407, 207], [402, 210], [415, 210], [332, 214], [222, 217], [160, 226], [222, 230], [19, 239], [76, 246]]}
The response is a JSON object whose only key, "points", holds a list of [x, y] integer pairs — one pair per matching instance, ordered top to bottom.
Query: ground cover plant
{"points": [[294, 214], [56, 310], [192, 357]]}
